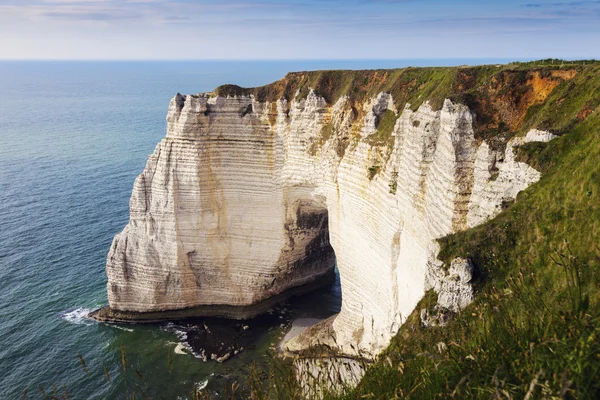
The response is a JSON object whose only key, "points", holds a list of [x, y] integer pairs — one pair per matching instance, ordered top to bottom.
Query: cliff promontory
{"points": [[256, 193]]}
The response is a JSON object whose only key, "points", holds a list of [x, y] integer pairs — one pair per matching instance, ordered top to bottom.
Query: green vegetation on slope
{"points": [[506, 98], [385, 125], [326, 132], [535, 325], [534, 328]]}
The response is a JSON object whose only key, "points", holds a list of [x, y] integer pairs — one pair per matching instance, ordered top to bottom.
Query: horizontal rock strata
{"points": [[244, 200], [212, 221]]}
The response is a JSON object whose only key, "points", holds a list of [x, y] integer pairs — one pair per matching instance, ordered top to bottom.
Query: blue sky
{"points": [[294, 29]]}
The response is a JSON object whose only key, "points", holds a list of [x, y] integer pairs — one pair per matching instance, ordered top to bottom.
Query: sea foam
{"points": [[77, 316]]}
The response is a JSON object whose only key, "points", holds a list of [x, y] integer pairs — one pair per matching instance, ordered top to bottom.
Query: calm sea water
{"points": [[73, 137]]}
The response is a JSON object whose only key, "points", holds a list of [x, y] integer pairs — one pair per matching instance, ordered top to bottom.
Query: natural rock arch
{"points": [[244, 200]]}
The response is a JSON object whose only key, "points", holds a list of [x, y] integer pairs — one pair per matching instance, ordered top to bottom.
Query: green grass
{"points": [[504, 97], [385, 124], [326, 133], [372, 171], [393, 185], [535, 325], [533, 330]]}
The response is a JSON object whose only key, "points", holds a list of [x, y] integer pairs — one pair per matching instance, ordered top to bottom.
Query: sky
{"points": [[294, 29]]}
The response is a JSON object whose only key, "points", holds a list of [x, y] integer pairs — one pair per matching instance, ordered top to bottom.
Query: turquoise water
{"points": [[73, 137]]}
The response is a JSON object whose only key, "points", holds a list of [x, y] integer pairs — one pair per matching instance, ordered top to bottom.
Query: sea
{"points": [[73, 137]]}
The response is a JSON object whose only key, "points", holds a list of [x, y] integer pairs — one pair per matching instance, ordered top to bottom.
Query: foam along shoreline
{"points": [[107, 314]]}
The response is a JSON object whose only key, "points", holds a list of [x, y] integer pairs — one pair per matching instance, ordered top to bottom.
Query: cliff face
{"points": [[247, 197], [213, 220]]}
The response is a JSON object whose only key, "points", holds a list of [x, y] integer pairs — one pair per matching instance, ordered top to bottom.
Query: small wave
{"points": [[77, 316], [121, 328], [180, 333], [183, 347], [186, 348], [180, 349], [202, 385]]}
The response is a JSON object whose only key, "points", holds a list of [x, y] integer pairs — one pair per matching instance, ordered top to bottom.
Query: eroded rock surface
{"points": [[243, 200], [213, 221], [454, 289]]}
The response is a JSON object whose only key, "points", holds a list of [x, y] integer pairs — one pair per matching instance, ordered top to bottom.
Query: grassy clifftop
{"points": [[547, 94], [534, 328]]}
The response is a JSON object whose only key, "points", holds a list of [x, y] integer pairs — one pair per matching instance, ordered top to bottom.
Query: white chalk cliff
{"points": [[244, 200], [213, 220]]}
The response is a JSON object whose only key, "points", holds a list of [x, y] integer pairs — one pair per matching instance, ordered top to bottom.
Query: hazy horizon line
{"points": [[271, 59], [513, 59]]}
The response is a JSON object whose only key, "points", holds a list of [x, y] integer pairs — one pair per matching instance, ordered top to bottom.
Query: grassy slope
{"points": [[499, 94], [529, 319], [535, 325]]}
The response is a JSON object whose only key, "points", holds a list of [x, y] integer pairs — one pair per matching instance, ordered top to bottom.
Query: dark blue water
{"points": [[73, 137]]}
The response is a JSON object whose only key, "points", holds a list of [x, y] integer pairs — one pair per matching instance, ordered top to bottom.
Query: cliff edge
{"points": [[254, 192]]}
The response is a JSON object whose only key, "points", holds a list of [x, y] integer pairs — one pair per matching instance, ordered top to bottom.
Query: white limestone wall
{"points": [[499, 177], [214, 216], [211, 221]]}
